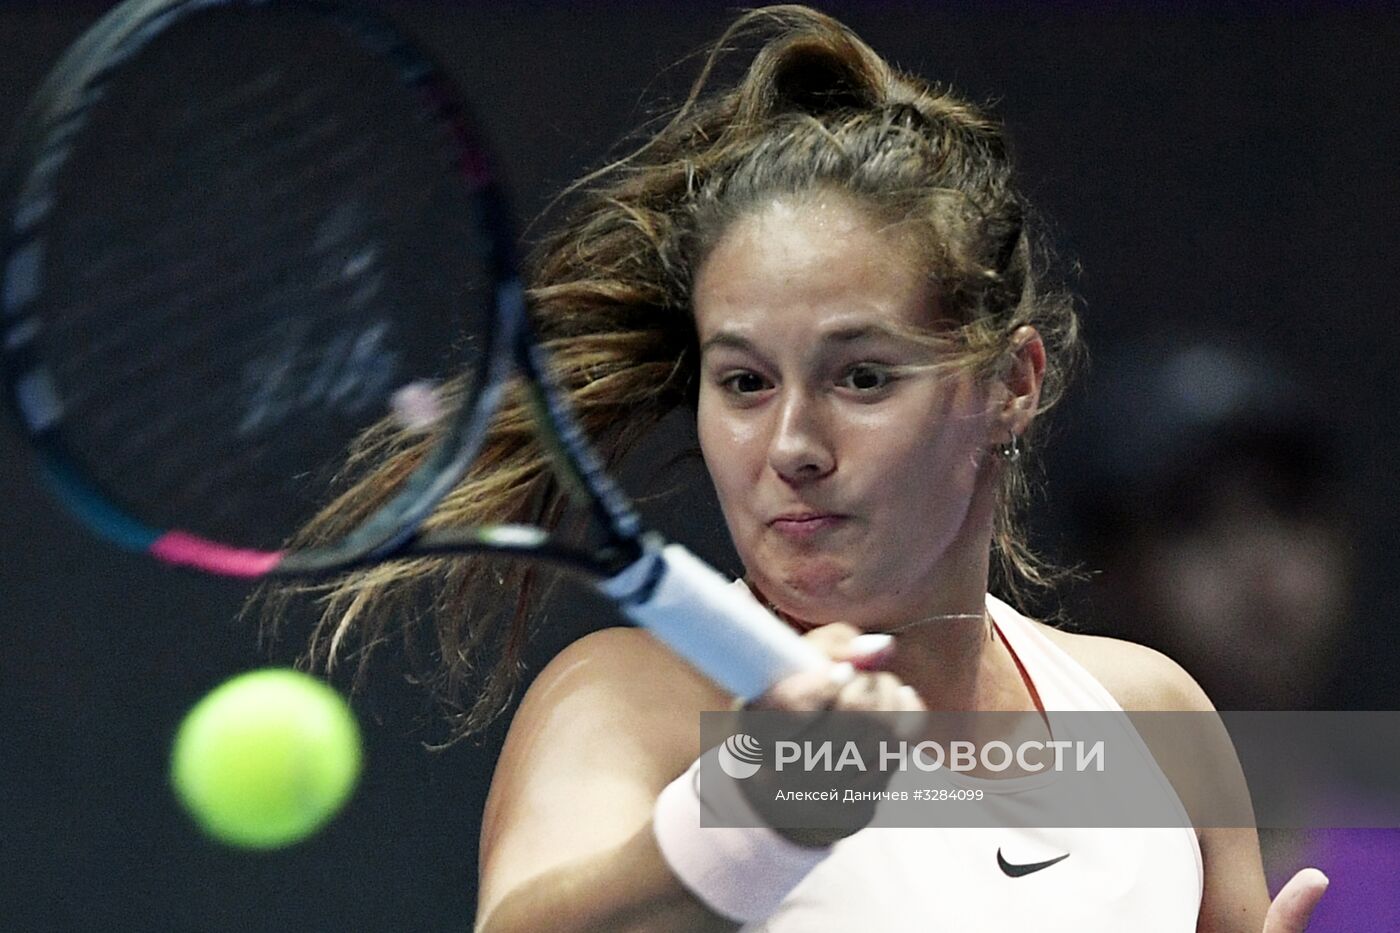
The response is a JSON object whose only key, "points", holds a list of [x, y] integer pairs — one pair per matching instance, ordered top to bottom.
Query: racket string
{"points": [[170, 331]]}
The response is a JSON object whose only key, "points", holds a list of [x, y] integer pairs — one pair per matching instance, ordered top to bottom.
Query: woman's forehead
{"points": [[828, 216], [816, 260]]}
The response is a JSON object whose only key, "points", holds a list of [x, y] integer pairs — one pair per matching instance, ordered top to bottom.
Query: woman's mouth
{"points": [[805, 526]]}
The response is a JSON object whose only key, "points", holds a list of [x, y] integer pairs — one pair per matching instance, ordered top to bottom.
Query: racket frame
{"points": [[57, 116], [726, 634]]}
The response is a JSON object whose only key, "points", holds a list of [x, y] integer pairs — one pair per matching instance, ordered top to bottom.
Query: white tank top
{"points": [[935, 880]]}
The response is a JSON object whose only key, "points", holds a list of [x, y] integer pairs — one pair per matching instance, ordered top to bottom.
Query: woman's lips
{"points": [[805, 527]]}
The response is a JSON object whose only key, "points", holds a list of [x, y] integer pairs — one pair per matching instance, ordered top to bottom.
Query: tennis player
{"points": [[829, 260]]}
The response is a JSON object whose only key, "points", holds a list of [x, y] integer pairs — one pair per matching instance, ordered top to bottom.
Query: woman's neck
{"points": [[952, 655], [956, 664]]}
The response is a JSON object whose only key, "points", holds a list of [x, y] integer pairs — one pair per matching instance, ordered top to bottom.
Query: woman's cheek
{"points": [[728, 448]]}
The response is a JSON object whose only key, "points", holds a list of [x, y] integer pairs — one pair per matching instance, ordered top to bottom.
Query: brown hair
{"points": [[610, 297]]}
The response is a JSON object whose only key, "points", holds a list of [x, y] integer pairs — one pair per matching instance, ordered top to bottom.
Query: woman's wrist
{"points": [[740, 872]]}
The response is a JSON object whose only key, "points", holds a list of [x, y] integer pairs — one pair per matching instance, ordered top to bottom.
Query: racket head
{"points": [[237, 235]]}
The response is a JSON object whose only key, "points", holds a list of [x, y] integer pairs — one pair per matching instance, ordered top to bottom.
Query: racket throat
{"points": [[718, 627]]}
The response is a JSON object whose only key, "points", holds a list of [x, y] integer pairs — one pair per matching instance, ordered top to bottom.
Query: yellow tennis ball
{"points": [[267, 758]]}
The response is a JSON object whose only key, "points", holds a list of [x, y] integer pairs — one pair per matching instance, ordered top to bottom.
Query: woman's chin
{"points": [[813, 585]]}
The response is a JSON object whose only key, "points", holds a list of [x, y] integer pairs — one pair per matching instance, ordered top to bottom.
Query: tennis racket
{"points": [[238, 234]]}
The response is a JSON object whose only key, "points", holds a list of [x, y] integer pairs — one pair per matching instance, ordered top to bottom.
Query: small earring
{"points": [[1011, 450]]}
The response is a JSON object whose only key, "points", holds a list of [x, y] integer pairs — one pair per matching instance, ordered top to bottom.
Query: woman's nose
{"points": [[801, 449]]}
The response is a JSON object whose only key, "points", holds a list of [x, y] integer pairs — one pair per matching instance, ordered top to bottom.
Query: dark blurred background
{"points": [[1224, 174]]}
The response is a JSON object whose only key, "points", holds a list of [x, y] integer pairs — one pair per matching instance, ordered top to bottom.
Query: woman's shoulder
{"points": [[629, 664], [1139, 678], [620, 679], [614, 705]]}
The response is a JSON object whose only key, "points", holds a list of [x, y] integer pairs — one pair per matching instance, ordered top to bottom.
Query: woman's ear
{"points": [[1019, 399]]}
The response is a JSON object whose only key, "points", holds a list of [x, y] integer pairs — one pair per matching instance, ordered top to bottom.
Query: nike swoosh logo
{"points": [[1018, 871]]}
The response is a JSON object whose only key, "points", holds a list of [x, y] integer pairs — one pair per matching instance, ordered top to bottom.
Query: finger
{"points": [[832, 639], [867, 651], [872, 651], [807, 690], [876, 691], [884, 692], [909, 699], [1291, 910]]}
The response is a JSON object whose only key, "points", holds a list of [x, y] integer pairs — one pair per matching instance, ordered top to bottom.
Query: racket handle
{"points": [[719, 628]]}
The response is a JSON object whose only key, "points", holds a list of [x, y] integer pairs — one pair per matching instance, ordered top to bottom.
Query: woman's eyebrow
{"points": [[856, 332], [841, 335], [726, 338]]}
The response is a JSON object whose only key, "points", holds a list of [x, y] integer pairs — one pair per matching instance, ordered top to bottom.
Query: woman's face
{"points": [[846, 486]]}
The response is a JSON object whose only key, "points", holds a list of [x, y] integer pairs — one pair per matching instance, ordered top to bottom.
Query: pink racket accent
{"points": [[181, 548]]}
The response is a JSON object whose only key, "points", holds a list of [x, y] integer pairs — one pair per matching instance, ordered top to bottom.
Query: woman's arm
{"points": [[566, 839], [1234, 871], [625, 888], [1235, 898]]}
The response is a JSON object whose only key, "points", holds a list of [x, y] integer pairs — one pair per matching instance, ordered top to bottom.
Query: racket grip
{"points": [[719, 628]]}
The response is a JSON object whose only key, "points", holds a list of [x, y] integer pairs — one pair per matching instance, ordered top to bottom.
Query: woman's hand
{"points": [[856, 684], [864, 685], [1295, 903]]}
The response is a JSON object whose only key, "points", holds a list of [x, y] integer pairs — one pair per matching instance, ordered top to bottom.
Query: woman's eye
{"points": [[866, 378], [745, 383]]}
